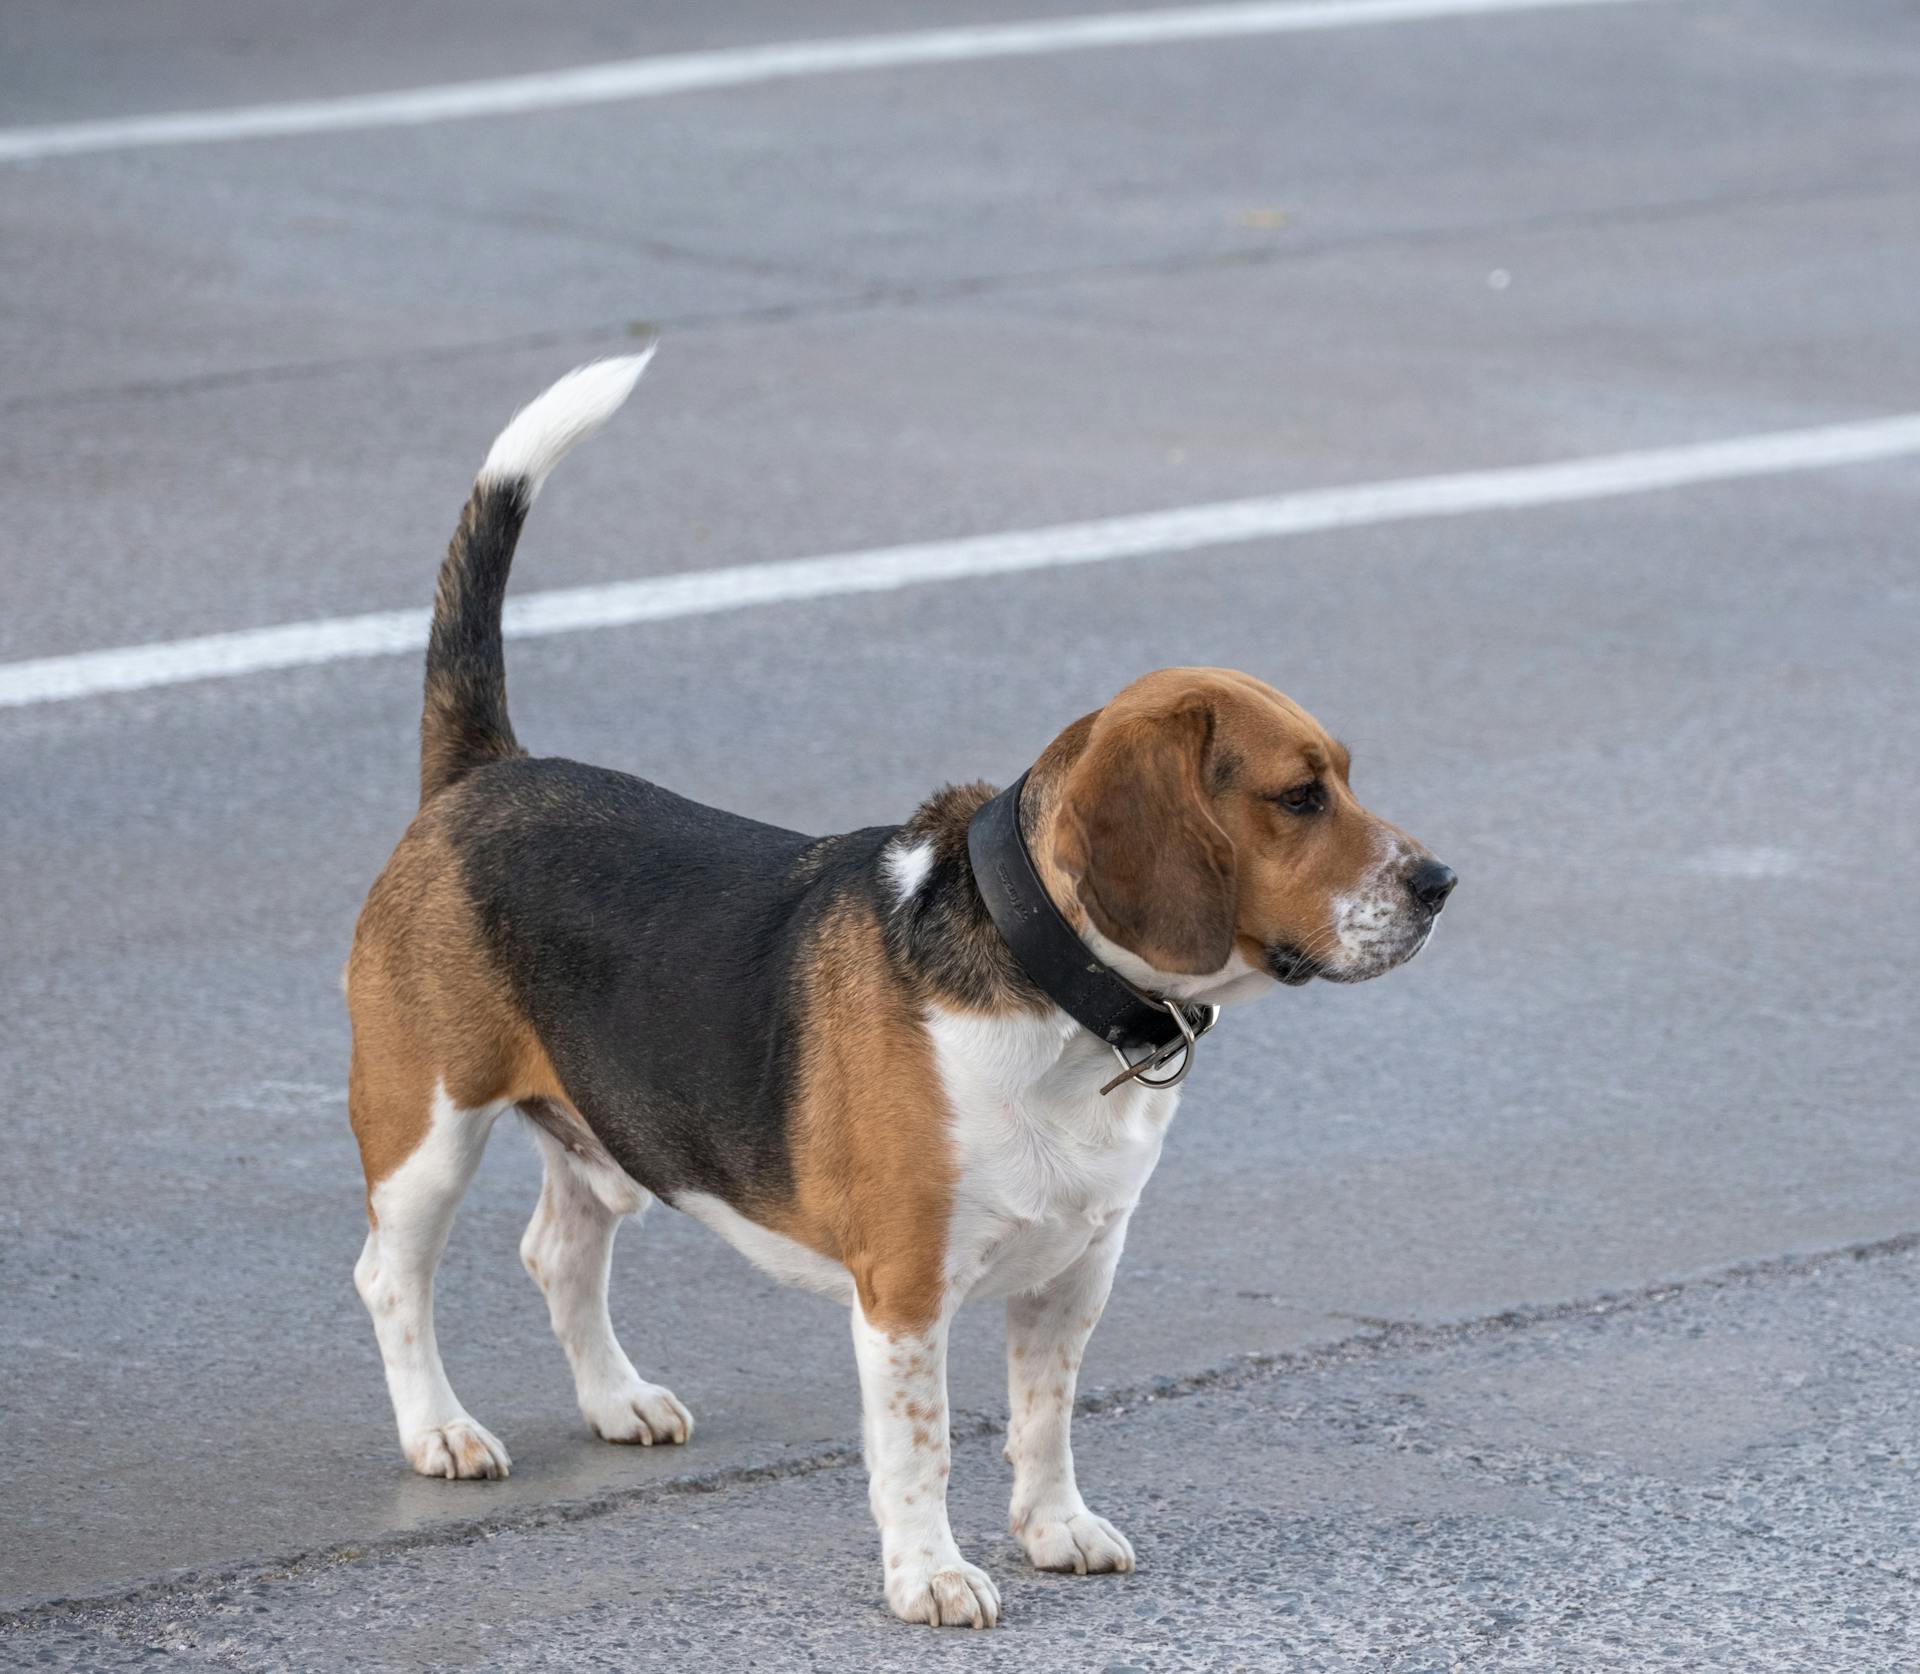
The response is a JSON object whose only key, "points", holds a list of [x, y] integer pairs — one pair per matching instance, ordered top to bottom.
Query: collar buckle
{"points": [[1191, 1028]]}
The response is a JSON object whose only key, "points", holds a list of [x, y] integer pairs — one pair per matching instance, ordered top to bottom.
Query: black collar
{"points": [[1044, 944]]}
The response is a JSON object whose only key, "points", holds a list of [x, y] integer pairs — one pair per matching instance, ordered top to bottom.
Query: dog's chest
{"points": [[1046, 1162]]}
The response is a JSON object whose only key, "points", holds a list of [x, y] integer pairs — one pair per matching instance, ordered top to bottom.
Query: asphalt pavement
{"points": [[1667, 739], [1714, 1476]]}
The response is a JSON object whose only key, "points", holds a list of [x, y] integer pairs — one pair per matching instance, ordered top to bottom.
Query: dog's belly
{"points": [[1044, 1163], [996, 1246], [773, 1253], [1013, 1258]]}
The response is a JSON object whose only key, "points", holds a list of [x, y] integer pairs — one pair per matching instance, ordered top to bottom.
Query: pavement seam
{"points": [[475, 217], [876, 297], [1387, 1340], [1609, 1488]]}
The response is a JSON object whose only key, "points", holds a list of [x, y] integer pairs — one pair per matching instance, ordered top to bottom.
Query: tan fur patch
{"points": [[427, 1009], [869, 1132]]}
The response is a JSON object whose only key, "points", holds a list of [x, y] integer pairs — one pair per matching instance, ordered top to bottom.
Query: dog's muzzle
{"points": [[1380, 926]]}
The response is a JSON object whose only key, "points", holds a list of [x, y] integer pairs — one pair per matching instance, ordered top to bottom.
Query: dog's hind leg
{"points": [[410, 1208], [568, 1249]]}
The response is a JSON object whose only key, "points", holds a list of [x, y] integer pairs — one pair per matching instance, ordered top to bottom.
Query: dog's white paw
{"points": [[639, 1412], [456, 1451], [1077, 1541], [946, 1592]]}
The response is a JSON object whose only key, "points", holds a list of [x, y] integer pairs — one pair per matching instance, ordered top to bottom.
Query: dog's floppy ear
{"points": [[1154, 870]]}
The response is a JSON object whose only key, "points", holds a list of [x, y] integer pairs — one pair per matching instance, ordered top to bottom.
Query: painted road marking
{"points": [[693, 72], [1187, 529]]}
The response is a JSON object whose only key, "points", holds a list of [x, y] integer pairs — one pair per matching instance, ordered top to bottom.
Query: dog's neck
{"points": [[938, 932], [944, 939]]}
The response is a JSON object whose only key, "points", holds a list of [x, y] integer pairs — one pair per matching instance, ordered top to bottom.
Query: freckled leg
{"points": [[568, 1251], [1047, 1333], [903, 1393]]}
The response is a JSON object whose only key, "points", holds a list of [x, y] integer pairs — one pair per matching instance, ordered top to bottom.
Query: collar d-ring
{"points": [[1191, 1028]]}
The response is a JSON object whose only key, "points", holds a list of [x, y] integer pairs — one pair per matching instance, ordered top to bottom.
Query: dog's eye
{"points": [[1310, 798]]}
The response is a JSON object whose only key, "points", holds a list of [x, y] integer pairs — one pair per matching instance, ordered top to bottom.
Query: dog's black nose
{"points": [[1431, 884]]}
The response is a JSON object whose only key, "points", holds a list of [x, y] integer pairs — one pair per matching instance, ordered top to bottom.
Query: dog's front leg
{"points": [[1047, 1333], [903, 1393]]}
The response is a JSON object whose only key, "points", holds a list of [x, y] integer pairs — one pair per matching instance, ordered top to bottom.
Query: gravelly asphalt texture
{"points": [[1668, 741], [1719, 1475]]}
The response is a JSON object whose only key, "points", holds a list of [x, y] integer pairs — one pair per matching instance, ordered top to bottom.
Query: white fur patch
{"points": [[544, 431], [906, 867], [1377, 925], [1235, 981], [1046, 1161], [413, 1211], [568, 1251], [790, 1262], [1047, 1333], [903, 1398]]}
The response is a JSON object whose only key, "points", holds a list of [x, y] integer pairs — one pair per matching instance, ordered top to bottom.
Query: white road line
{"points": [[690, 72], [1188, 529]]}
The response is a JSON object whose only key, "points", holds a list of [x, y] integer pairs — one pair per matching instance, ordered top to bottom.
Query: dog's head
{"points": [[1205, 825]]}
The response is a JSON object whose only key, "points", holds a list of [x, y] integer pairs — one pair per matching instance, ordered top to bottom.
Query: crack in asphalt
{"points": [[562, 226], [875, 297], [1383, 1340]]}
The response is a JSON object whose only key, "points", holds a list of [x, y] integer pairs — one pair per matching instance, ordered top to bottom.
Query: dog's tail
{"points": [[465, 721]]}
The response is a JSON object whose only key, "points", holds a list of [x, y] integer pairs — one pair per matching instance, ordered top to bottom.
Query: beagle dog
{"points": [[909, 1066]]}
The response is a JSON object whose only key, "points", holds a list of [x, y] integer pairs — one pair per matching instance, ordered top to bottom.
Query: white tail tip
{"points": [[544, 431]]}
